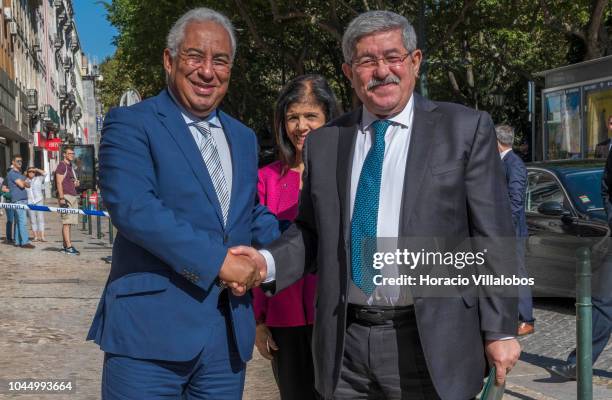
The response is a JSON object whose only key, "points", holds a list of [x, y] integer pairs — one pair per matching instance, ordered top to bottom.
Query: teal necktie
{"points": [[365, 212]]}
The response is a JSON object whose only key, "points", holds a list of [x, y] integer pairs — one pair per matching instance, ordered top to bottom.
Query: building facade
{"points": [[44, 77]]}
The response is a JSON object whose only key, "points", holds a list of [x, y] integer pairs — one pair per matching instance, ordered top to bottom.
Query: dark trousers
{"points": [[10, 220], [525, 298], [602, 327], [384, 362], [292, 363], [217, 373]]}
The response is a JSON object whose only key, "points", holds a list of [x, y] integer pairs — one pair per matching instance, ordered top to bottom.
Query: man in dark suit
{"points": [[603, 148], [398, 166], [179, 178], [516, 180], [601, 289]]}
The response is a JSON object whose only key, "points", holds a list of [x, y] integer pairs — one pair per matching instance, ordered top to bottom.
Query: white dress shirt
{"points": [[216, 130]]}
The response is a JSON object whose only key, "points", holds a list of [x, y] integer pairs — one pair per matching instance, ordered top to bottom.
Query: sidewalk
{"points": [[47, 300]]}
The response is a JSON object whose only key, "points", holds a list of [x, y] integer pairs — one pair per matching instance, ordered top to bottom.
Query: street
{"points": [[48, 300]]}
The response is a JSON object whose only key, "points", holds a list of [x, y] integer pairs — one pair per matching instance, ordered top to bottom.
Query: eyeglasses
{"points": [[196, 60], [369, 63], [69, 154], [18, 161]]}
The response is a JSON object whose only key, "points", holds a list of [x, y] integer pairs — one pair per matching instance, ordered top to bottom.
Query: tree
{"points": [[474, 48]]}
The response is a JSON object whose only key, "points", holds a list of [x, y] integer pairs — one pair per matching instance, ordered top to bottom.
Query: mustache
{"points": [[377, 82]]}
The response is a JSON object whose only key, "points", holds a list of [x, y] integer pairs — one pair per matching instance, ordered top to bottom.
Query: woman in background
{"points": [[37, 179], [284, 321]]}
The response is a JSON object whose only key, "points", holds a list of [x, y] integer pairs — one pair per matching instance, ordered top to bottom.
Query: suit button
{"points": [[225, 238]]}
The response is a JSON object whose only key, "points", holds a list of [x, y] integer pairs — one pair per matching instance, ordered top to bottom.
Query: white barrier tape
{"points": [[59, 210]]}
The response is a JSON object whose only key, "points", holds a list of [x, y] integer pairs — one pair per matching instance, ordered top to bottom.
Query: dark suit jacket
{"points": [[602, 149], [516, 179], [454, 185], [171, 243]]}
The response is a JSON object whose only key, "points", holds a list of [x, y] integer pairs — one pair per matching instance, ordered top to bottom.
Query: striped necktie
{"points": [[210, 154], [365, 211]]}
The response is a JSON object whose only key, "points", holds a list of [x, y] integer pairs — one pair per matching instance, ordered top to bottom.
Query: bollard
{"points": [[85, 206], [89, 217], [98, 226], [584, 333]]}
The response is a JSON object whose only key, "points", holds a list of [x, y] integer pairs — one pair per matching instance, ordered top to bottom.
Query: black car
{"points": [[564, 210]]}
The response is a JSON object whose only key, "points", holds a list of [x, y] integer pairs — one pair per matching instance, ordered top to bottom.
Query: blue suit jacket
{"points": [[516, 178], [171, 243]]}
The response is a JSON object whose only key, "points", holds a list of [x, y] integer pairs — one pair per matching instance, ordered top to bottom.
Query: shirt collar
{"points": [[212, 118], [403, 118], [503, 153]]}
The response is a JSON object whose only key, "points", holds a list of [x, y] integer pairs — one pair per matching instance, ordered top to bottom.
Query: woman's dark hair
{"points": [[304, 88]]}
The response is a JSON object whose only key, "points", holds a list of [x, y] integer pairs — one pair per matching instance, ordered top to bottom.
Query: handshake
{"points": [[243, 268]]}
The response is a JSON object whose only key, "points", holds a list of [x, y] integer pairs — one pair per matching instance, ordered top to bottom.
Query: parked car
{"points": [[564, 210]]}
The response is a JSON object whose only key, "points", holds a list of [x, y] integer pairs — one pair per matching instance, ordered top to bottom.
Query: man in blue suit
{"points": [[179, 179], [516, 179]]}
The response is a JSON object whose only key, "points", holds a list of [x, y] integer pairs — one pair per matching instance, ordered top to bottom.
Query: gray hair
{"points": [[202, 14], [376, 21], [505, 134]]}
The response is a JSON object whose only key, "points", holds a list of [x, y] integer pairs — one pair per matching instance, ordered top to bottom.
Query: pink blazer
{"points": [[293, 306]]}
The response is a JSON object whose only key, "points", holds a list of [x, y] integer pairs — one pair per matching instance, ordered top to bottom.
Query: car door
{"points": [[553, 239]]}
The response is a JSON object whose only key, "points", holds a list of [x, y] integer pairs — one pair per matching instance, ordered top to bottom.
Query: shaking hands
{"points": [[243, 268]]}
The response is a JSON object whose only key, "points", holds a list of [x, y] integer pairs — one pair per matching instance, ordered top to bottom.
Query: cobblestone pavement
{"points": [[47, 300]]}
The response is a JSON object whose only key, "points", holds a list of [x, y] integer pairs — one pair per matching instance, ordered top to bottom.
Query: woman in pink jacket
{"points": [[284, 321]]}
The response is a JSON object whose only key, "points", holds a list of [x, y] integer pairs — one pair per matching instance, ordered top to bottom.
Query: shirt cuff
{"points": [[271, 266], [497, 336]]}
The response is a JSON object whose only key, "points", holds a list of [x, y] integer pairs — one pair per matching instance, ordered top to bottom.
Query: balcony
{"points": [[62, 18], [58, 42], [74, 42], [36, 45], [67, 63], [63, 92], [31, 100], [77, 114], [50, 117]]}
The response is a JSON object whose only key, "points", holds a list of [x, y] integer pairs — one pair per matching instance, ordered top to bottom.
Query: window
{"points": [[598, 115], [562, 124], [542, 187]]}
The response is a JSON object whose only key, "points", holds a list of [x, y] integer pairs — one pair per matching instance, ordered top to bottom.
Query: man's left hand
{"points": [[503, 354]]}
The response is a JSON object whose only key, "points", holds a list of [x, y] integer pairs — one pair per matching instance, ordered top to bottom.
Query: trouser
{"points": [[37, 219], [10, 224], [21, 225], [525, 297], [601, 328], [384, 361], [292, 364], [217, 373]]}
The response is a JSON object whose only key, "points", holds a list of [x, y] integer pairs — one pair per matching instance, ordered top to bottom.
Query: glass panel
{"points": [[598, 101], [562, 124], [542, 187], [584, 187]]}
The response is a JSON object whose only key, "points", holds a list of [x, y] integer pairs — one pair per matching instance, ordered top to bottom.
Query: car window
{"points": [[542, 187], [584, 188]]}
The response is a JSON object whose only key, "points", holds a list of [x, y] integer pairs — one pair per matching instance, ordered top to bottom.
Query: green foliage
{"points": [[475, 48]]}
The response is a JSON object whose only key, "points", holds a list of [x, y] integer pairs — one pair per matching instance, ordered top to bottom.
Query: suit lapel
{"points": [[172, 119], [421, 140], [346, 149]]}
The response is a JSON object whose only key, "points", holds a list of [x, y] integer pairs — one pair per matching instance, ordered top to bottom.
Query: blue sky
{"points": [[95, 33]]}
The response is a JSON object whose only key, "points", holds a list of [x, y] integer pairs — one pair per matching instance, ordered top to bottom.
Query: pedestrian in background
{"points": [[37, 179], [516, 180], [66, 182], [17, 185], [5, 197], [284, 322]]}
